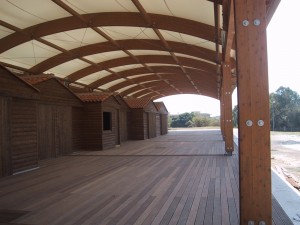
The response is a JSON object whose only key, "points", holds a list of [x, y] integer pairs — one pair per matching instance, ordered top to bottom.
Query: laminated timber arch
{"points": [[144, 50]]}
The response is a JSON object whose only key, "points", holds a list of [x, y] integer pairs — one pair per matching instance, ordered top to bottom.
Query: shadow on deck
{"points": [[179, 178]]}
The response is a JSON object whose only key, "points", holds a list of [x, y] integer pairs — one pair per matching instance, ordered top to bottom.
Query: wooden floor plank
{"points": [[181, 178]]}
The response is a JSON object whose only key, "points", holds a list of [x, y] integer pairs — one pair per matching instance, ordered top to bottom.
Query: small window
{"points": [[106, 120]]}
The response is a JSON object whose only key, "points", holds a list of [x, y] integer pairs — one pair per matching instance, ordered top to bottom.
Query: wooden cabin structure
{"points": [[147, 50], [58, 117], [163, 118], [142, 119], [101, 121], [18, 133]]}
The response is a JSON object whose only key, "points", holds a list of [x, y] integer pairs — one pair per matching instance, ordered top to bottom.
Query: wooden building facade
{"points": [[58, 116], [142, 118], [162, 118], [100, 121], [18, 133]]}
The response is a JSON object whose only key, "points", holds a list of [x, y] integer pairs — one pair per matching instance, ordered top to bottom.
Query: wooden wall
{"points": [[123, 119], [55, 120], [137, 124], [152, 124], [164, 124], [158, 125], [92, 126], [77, 128], [54, 131], [18, 134], [23, 135], [94, 137], [111, 137], [5, 151]]}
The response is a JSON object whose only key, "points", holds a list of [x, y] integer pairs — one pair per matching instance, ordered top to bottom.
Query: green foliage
{"points": [[285, 110], [235, 116], [194, 119]]}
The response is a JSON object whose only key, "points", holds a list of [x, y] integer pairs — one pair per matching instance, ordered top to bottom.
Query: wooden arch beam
{"points": [[130, 19], [136, 44], [162, 59], [195, 74], [159, 85]]}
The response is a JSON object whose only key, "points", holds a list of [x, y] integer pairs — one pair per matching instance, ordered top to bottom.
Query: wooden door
{"points": [[63, 130], [46, 144]]}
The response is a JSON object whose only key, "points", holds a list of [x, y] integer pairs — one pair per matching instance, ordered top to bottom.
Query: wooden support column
{"points": [[227, 100], [222, 113], [254, 121]]}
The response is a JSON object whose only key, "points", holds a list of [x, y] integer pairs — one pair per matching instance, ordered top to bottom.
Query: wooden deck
{"points": [[180, 178]]}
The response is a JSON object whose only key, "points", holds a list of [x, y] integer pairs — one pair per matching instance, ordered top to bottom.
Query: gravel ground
{"points": [[285, 152]]}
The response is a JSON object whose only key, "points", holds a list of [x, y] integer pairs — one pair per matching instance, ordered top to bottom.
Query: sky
{"points": [[283, 62]]}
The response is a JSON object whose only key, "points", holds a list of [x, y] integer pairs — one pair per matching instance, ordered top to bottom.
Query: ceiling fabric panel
{"points": [[93, 6], [198, 10], [26, 13], [5, 32], [122, 32], [75, 38], [140, 48], [29, 54], [101, 57], [67, 68], [92, 77], [112, 83]]}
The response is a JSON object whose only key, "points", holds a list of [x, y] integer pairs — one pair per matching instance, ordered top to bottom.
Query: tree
{"points": [[284, 109], [235, 116], [181, 120]]}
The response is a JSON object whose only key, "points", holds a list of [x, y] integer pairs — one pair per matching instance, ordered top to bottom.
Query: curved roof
{"points": [[137, 48]]}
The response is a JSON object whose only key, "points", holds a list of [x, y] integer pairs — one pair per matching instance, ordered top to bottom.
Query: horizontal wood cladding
{"points": [[11, 85], [52, 91], [123, 123], [158, 124], [164, 124], [136, 125], [146, 125], [152, 125], [92, 126], [77, 128], [23, 135], [109, 137], [5, 148]]}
